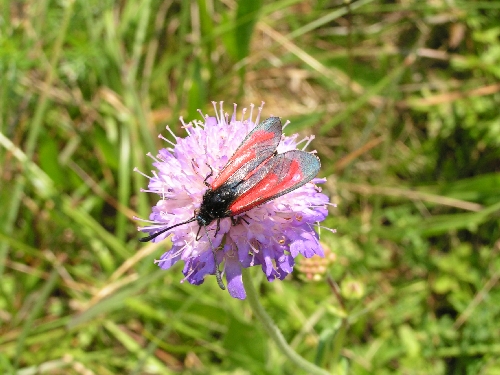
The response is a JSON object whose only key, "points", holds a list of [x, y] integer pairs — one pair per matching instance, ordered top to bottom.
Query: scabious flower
{"points": [[270, 235]]}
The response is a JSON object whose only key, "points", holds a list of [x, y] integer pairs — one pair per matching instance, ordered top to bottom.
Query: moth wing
{"points": [[258, 145], [278, 176]]}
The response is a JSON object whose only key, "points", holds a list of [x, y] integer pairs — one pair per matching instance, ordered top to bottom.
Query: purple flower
{"points": [[271, 235]]}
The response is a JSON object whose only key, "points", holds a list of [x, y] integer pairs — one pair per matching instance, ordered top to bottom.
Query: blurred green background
{"points": [[404, 99]]}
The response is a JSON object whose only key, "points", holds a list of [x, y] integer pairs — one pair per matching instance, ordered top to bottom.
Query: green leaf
{"points": [[247, 15], [197, 96], [48, 154], [246, 345]]}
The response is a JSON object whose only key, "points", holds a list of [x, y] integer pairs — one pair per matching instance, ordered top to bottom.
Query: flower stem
{"points": [[274, 331], [339, 342]]}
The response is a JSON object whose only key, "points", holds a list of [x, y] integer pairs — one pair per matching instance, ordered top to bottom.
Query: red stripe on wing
{"points": [[257, 146], [278, 176]]}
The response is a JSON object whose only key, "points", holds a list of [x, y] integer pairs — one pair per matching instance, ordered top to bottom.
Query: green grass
{"points": [[403, 97]]}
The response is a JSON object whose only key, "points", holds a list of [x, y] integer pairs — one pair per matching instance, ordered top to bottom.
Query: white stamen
{"points": [[222, 111], [216, 112], [251, 112], [201, 114], [233, 117], [181, 119], [257, 119], [187, 126], [171, 132], [310, 138], [165, 139], [305, 139], [152, 157], [143, 174], [145, 221], [326, 228], [255, 251], [170, 255]]}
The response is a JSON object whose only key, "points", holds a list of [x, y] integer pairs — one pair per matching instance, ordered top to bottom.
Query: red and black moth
{"points": [[255, 174]]}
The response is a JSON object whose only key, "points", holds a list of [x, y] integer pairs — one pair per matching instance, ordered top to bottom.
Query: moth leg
{"points": [[196, 167], [210, 175], [236, 221], [218, 227], [198, 233], [218, 274]]}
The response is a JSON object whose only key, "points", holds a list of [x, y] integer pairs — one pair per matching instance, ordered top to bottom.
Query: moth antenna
{"points": [[154, 235], [218, 276]]}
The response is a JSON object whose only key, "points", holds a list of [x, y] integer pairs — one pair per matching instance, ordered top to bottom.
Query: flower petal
{"points": [[234, 278]]}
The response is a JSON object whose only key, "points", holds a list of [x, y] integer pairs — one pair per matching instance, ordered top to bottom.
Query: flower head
{"points": [[270, 235]]}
